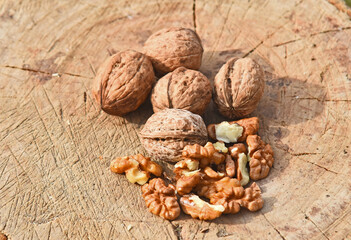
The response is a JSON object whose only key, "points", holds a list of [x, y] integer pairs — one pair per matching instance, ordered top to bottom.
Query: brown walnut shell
{"points": [[174, 47], [123, 82], [238, 87], [183, 89], [167, 132]]}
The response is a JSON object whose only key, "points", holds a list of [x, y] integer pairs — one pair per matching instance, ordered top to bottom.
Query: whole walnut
{"points": [[174, 47], [123, 82], [238, 87], [183, 89], [167, 132]]}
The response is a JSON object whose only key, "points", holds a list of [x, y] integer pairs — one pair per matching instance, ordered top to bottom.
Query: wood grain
{"points": [[53, 183]]}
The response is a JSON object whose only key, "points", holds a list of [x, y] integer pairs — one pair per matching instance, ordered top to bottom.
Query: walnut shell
{"points": [[174, 47], [123, 82], [238, 87], [183, 89], [167, 132]]}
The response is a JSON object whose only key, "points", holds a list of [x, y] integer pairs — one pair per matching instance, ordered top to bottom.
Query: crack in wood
{"points": [[194, 14], [311, 35], [44, 72], [303, 154], [316, 164], [307, 218], [274, 227], [177, 229]]}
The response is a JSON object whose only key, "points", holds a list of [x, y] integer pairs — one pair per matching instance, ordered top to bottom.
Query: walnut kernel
{"points": [[198, 208]]}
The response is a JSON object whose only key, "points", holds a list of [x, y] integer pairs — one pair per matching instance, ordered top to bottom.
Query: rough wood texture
{"points": [[53, 183]]}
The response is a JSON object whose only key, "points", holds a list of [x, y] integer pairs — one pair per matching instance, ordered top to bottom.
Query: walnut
{"points": [[174, 47], [123, 82], [238, 87], [183, 89], [235, 131], [167, 132], [220, 147], [236, 149], [206, 155], [260, 157], [147, 165], [185, 166], [229, 166], [137, 168], [242, 173], [210, 174], [186, 183], [206, 188], [228, 190], [229, 193], [160, 199], [252, 199], [198, 208]]}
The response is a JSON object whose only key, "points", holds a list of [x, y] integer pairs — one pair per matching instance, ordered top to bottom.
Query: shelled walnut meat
{"points": [[174, 47], [123, 82], [238, 87], [183, 89], [235, 131], [167, 132], [206, 155], [260, 157], [185, 166], [137, 168], [187, 182], [231, 195], [160, 199], [198, 208]]}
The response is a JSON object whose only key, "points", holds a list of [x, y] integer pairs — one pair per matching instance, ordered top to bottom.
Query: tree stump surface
{"points": [[56, 144]]}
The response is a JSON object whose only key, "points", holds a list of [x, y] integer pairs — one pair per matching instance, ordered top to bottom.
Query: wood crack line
{"points": [[194, 15], [311, 35], [44, 72], [313, 163], [316, 164], [306, 217], [274, 227], [177, 230]]}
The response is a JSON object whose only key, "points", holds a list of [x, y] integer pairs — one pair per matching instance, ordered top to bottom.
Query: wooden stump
{"points": [[55, 185]]}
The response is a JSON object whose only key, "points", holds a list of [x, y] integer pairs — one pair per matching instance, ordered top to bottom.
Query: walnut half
{"points": [[235, 131], [206, 155], [260, 157], [137, 168], [160, 199], [198, 208]]}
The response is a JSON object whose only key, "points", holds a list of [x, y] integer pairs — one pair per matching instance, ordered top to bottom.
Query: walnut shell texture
{"points": [[174, 47], [123, 82], [238, 87], [183, 89], [167, 132]]}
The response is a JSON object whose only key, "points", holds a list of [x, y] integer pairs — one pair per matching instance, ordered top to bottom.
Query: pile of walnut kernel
{"points": [[216, 171], [209, 176]]}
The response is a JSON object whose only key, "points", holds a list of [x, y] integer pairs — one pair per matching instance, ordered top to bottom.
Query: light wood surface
{"points": [[55, 185]]}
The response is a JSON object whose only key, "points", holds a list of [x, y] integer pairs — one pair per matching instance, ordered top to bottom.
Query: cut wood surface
{"points": [[56, 144]]}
